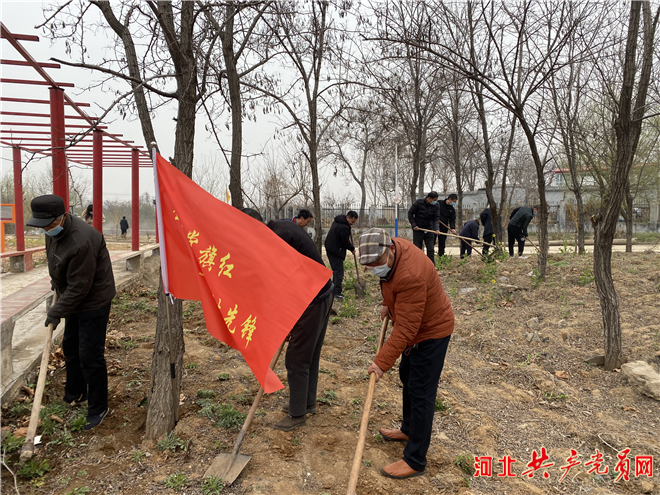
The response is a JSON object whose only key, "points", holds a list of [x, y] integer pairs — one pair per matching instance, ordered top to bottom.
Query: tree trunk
{"points": [[234, 85], [627, 127], [503, 202], [579, 204], [628, 215], [163, 411]]}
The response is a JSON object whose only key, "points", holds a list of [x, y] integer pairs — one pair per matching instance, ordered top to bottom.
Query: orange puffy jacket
{"points": [[418, 305]]}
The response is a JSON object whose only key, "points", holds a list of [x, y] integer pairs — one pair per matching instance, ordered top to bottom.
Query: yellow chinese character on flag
{"points": [[193, 237], [207, 257], [227, 268], [231, 314], [248, 328]]}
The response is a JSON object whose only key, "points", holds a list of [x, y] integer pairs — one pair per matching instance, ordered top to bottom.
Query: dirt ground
{"points": [[515, 381]]}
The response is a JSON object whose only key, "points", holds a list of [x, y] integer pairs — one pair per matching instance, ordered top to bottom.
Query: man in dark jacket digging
{"points": [[424, 213], [447, 221], [517, 229], [471, 231], [489, 232], [337, 242], [81, 274], [423, 323], [303, 354]]}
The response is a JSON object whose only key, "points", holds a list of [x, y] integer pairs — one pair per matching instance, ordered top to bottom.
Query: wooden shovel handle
{"points": [[459, 237], [255, 405], [27, 451], [357, 460]]}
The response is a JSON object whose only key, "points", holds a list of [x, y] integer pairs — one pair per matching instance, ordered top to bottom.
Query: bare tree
{"points": [[177, 55], [628, 125]]}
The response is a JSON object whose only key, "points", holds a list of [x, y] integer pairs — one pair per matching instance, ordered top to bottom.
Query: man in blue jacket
{"points": [[470, 230]]}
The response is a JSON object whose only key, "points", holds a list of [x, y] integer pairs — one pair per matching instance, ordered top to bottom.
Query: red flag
{"points": [[253, 286]]}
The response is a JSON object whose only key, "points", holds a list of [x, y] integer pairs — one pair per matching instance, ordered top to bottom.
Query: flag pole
{"points": [[164, 274]]}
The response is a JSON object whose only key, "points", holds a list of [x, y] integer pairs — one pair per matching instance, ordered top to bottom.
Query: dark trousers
{"points": [[516, 233], [420, 237], [488, 238], [441, 240], [466, 248], [337, 266], [83, 345], [304, 354], [419, 371]]}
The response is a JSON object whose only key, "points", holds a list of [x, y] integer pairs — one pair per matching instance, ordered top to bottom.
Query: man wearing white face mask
{"points": [[81, 274], [423, 323]]}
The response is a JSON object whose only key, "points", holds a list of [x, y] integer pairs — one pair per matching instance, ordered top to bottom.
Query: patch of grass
{"points": [[443, 262], [487, 273], [586, 277], [536, 278], [348, 309], [189, 310], [334, 320], [371, 338], [128, 344], [192, 366], [323, 370], [223, 377], [134, 384], [206, 394], [328, 397], [553, 397], [355, 401], [441, 405], [55, 408], [20, 409], [223, 415], [49, 426], [379, 438], [65, 439], [170, 441], [297, 441], [12, 444], [137, 456], [465, 462], [366, 463], [34, 469], [82, 474], [64, 480], [176, 481], [212, 485], [81, 490]]}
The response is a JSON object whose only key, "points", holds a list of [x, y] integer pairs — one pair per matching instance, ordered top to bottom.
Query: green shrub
{"points": [[206, 394], [170, 441], [12, 444], [465, 462], [33, 469], [176, 481], [212, 485]]}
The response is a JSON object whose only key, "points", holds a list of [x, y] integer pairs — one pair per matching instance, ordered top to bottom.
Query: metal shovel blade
{"points": [[360, 289], [228, 467]]}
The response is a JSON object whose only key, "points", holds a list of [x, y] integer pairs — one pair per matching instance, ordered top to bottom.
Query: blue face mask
{"points": [[434, 202], [453, 203], [534, 214], [54, 231], [381, 270]]}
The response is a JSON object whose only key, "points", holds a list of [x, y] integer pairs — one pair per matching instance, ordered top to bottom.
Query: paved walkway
{"points": [[27, 293]]}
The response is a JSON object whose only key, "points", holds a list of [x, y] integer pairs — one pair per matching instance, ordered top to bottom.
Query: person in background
{"points": [[424, 213], [88, 214], [448, 218], [303, 219], [123, 225], [517, 229], [470, 230], [489, 233], [337, 242], [81, 274], [423, 321], [303, 354]]}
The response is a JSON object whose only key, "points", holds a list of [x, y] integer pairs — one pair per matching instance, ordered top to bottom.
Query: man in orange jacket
{"points": [[423, 319]]}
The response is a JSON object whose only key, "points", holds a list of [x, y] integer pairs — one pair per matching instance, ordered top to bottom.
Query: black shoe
{"points": [[339, 297], [81, 399], [310, 409], [95, 420], [290, 423]]}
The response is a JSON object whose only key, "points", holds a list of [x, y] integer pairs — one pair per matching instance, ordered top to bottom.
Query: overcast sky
{"points": [[22, 17]]}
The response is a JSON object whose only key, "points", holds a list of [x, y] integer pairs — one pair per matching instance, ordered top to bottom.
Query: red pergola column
{"points": [[58, 141], [97, 180], [135, 200], [18, 201]]}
